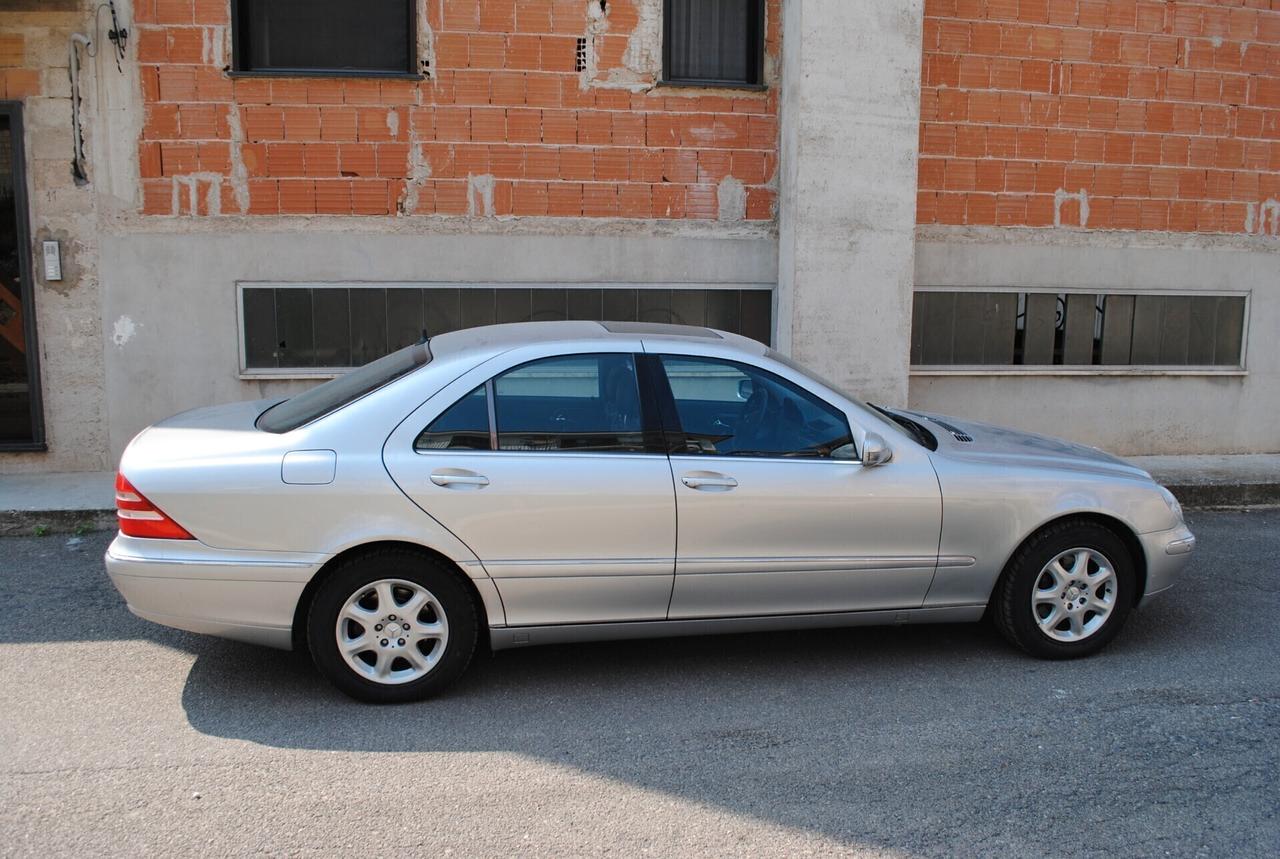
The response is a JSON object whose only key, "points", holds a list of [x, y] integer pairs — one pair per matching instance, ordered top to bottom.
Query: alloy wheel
{"points": [[1074, 595], [392, 631]]}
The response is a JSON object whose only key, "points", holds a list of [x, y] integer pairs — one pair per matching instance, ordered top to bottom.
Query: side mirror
{"points": [[875, 450]]}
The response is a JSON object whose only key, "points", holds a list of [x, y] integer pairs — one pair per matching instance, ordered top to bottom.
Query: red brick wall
{"points": [[17, 82], [503, 100], [1164, 113]]}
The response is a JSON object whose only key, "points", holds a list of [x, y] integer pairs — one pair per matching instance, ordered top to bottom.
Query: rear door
{"points": [[546, 472], [776, 514]]}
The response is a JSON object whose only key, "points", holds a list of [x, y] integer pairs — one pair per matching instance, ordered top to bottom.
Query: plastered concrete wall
{"points": [[33, 53], [850, 126], [169, 305], [1141, 413]]}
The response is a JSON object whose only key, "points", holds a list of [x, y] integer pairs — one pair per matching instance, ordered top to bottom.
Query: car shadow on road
{"points": [[859, 735], [899, 737]]}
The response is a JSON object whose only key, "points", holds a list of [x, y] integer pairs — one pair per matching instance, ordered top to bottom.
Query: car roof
{"points": [[510, 335]]}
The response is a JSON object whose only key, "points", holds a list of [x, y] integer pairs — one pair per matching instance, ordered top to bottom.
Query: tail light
{"points": [[140, 518]]}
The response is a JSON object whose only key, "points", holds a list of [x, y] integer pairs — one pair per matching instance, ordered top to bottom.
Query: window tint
{"points": [[368, 37], [713, 42], [336, 393], [575, 402], [731, 409], [463, 426]]}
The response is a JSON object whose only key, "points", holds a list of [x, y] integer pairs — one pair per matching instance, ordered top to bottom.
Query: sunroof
{"points": [[660, 329]]}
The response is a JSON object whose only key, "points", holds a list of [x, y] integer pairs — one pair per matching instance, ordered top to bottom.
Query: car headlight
{"points": [[1173, 503]]}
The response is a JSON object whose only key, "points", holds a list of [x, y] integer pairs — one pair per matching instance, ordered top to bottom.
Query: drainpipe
{"points": [[73, 64]]}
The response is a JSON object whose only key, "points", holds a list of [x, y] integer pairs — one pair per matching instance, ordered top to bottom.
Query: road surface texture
{"points": [[120, 737]]}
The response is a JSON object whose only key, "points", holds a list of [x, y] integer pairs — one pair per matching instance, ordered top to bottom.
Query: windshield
{"points": [[336, 393]]}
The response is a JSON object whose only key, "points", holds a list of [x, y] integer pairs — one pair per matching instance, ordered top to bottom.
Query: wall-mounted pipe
{"points": [[73, 64]]}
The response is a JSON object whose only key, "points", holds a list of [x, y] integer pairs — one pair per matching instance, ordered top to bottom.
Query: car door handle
{"points": [[442, 479], [707, 482]]}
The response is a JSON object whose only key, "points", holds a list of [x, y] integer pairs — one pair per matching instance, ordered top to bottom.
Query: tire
{"points": [[1056, 611], [425, 648]]}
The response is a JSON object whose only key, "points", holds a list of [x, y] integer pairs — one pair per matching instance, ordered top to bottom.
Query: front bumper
{"points": [[1167, 555], [245, 595]]}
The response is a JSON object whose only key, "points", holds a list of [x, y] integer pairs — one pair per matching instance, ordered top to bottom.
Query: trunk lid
{"points": [[199, 434]]}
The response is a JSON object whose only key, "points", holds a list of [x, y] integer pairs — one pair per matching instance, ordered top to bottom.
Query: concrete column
{"points": [[850, 131]]}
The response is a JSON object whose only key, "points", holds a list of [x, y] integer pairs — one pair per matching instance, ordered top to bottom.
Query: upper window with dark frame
{"points": [[325, 37], [713, 42], [583, 403], [726, 408]]}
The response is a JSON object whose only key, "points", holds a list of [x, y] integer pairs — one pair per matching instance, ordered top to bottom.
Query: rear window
{"points": [[336, 393]]}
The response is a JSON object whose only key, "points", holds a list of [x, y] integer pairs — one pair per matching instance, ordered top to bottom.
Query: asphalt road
{"points": [[119, 737]]}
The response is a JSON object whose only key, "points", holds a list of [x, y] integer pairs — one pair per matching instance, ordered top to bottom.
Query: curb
{"points": [[1193, 496], [1207, 496], [35, 523]]}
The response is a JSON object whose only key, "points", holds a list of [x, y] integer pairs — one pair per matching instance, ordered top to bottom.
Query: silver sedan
{"points": [[573, 481]]}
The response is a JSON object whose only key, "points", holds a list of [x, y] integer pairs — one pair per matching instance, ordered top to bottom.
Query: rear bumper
{"points": [[1167, 555], [247, 596]]}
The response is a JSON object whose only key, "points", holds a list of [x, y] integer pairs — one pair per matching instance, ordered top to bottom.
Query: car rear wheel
{"points": [[1066, 592], [392, 626]]}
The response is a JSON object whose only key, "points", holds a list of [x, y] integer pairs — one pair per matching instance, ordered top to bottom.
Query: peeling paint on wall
{"points": [[637, 66], [419, 173], [239, 175], [480, 196], [732, 197], [1061, 197], [1263, 218], [123, 331]]}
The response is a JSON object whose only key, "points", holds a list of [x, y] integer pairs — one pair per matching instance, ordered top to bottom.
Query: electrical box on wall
{"points": [[52, 261]]}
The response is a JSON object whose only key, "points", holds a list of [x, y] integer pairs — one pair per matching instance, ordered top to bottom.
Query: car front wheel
{"points": [[1066, 592], [392, 626]]}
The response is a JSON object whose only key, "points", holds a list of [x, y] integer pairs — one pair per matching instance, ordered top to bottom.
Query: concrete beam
{"points": [[850, 131]]}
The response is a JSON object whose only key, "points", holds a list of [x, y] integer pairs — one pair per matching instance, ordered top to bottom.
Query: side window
{"points": [[574, 402], [731, 409], [463, 426]]}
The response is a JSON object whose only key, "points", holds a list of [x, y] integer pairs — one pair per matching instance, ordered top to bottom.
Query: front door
{"points": [[21, 422], [545, 472], [770, 522]]}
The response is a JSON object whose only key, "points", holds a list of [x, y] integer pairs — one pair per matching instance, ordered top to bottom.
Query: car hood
{"points": [[971, 440]]}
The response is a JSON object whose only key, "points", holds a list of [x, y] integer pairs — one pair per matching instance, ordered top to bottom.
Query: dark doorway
{"points": [[21, 420]]}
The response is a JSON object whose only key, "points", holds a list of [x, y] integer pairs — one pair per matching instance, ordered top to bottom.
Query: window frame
{"points": [[757, 56], [237, 68], [26, 286], [1127, 370], [650, 423], [677, 440]]}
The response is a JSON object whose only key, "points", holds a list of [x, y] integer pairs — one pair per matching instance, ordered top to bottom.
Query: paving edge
{"points": [[27, 523]]}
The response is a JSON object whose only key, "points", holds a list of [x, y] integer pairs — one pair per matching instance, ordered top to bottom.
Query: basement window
{"points": [[324, 37], [713, 43], [971, 328], [307, 330]]}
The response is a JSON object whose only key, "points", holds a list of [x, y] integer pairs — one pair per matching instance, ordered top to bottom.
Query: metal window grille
{"points": [[301, 37], [713, 42], [314, 327], [966, 328]]}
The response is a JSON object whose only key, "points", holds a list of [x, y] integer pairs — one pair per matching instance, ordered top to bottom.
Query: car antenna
{"points": [[426, 338]]}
